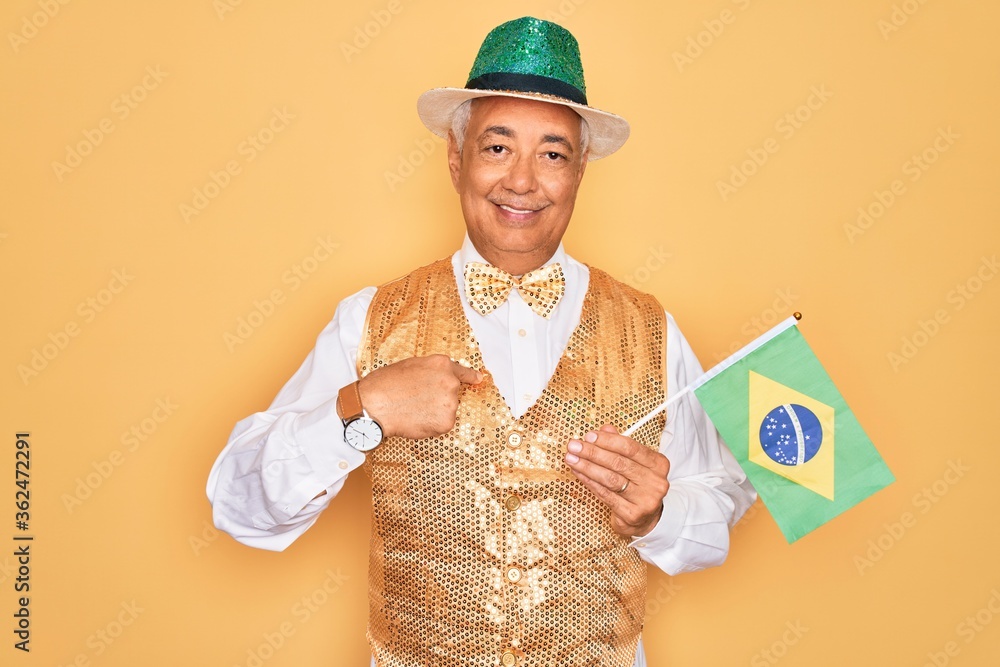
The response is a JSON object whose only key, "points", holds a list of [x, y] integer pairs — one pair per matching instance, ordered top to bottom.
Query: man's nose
{"points": [[521, 177]]}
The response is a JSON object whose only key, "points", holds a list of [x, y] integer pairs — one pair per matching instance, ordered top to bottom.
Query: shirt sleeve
{"points": [[264, 485], [709, 492]]}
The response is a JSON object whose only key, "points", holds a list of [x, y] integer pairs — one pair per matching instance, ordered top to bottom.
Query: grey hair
{"points": [[460, 123]]}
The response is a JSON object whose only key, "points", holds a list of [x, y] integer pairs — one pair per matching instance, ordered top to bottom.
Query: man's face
{"points": [[517, 176]]}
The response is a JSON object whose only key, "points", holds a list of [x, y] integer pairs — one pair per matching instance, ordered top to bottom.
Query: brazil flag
{"points": [[791, 431]]}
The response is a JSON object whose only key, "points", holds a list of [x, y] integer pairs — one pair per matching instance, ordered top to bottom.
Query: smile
{"points": [[518, 211]]}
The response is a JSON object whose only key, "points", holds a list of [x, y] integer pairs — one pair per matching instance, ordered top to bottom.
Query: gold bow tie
{"points": [[487, 287]]}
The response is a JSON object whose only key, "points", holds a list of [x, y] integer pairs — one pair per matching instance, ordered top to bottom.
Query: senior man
{"points": [[484, 395]]}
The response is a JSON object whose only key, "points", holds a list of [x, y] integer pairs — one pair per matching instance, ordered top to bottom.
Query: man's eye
{"points": [[496, 150], [552, 155]]}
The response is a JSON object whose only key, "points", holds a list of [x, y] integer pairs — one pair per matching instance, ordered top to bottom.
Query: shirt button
{"points": [[522, 333], [514, 440], [342, 465], [512, 503], [641, 545], [513, 575], [508, 659]]}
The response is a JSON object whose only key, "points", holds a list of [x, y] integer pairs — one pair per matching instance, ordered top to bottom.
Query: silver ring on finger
{"points": [[624, 486]]}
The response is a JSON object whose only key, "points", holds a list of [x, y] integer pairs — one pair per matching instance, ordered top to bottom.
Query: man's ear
{"points": [[454, 160]]}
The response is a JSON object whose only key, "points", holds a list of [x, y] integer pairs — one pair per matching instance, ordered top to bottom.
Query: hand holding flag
{"points": [[629, 478]]}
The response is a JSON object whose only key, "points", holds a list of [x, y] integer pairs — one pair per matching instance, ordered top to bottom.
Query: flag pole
{"points": [[718, 368], [657, 410]]}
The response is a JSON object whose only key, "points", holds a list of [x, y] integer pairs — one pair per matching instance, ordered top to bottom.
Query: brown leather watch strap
{"points": [[349, 402]]}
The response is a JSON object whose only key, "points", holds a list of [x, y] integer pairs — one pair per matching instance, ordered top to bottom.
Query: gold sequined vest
{"points": [[486, 550]]}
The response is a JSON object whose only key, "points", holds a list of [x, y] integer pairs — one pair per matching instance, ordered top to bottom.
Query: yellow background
{"points": [[888, 583]]}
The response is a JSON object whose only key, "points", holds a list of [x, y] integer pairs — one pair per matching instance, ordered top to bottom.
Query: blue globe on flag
{"points": [[791, 434]]}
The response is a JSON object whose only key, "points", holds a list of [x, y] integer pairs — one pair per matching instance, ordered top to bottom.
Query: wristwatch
{"points": [[360, 430]]}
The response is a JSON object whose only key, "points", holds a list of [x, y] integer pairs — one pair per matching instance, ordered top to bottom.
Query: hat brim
{"points": [[607, 131]]}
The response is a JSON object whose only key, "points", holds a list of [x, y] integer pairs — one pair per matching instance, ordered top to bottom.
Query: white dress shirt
{"points": [[265, 483]]}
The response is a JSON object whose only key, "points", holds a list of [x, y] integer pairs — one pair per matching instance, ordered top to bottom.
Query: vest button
{"points": [[514, 440], [512, 503], [513, 575], [508, 659]]}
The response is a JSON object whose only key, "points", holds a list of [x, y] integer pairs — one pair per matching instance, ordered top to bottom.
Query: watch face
{"points": [[363, 434]]}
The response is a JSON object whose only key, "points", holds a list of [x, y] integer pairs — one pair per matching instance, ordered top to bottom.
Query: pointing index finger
{"points": [[465, 374]]}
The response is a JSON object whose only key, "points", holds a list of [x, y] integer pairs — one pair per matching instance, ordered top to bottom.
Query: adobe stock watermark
{"points": [[223, 7], [563, 11], [899, 16], [32, 23], [713, 28], [369, 31], [121, 108], [787, 125], [246, 152], [407, 163], [913, 169], [656, 259], [294, 277], [956, 299], [780, 308], [87, 310], [132, 440], [923, 502], [203, 539], [7, 569], [658, 600], [301, 611], [966, 630], [102, 638], [771, 655]]}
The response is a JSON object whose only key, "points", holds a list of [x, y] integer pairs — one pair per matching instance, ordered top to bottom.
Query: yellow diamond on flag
{"points": [[791, 434]]}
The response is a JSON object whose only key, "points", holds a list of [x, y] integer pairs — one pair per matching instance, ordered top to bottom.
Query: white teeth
{"points": [[515, 210]]}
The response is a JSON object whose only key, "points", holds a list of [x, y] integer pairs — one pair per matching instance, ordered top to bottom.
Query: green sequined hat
{"points": [[531, 59]]}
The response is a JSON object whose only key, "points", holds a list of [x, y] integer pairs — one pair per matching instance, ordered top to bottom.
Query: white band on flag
{"points": [[800, 438]]}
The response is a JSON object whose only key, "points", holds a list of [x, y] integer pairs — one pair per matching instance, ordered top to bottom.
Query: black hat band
{"points": [[527, 83]]}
